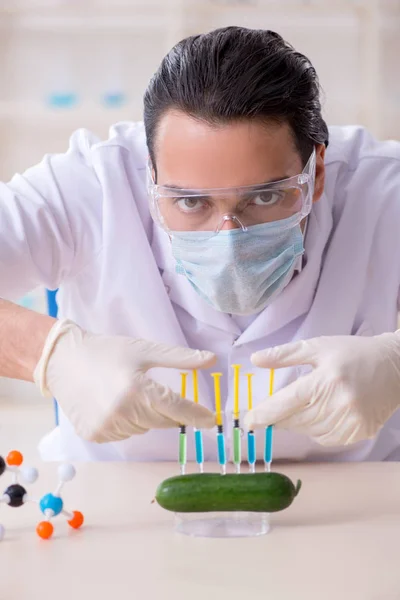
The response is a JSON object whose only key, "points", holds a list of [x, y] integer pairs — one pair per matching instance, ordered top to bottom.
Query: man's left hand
{"points": [[353, 389]]}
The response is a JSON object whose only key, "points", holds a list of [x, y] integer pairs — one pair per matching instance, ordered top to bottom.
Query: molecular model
{"points": [[15, 495], [50, 505]]}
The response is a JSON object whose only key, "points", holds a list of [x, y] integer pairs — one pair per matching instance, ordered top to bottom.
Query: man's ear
{"points": [[319, 172]]}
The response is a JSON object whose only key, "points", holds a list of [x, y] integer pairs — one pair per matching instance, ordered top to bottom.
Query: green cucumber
{"points": [[206, 492]]}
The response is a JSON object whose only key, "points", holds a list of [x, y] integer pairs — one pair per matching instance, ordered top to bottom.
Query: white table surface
{"points": [[340, 540]]}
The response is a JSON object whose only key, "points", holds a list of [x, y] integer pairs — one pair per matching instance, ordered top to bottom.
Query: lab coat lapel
{"points": [[297, 298]]}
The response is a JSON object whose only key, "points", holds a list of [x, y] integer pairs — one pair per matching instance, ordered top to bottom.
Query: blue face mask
{"points": [[240, 272]]}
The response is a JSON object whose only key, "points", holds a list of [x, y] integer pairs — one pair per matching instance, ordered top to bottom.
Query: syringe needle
{"points": [[220, 429], [182, 434], [198, 436]]}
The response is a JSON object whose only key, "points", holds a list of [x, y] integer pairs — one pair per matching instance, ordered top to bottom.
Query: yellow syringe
{"points": [[182, 434], [237, 442]]}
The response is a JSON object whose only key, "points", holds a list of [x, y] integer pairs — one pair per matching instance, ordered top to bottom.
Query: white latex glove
{"points": [[101, 384], [353, 390]]}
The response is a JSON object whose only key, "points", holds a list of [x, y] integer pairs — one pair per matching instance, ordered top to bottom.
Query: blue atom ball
{"points": [[51, 502]]}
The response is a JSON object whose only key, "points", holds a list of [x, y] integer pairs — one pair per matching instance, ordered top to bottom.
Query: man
{"points": [[233, 222]]}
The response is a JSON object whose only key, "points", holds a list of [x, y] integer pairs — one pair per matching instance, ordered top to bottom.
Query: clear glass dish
{"points": [[222, 524]]}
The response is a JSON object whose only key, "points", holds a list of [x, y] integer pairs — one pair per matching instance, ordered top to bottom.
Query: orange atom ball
{"points": [[14, 459], [77, 520], [45, 530]]}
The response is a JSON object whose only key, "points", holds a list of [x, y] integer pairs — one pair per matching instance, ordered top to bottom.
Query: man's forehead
{"points": [[191, 153]]}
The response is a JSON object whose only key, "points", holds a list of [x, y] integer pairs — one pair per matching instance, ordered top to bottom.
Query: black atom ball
{"points": [[2, 465], [16, 494]]}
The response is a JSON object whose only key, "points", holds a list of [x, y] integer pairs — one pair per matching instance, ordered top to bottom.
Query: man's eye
{"points": [[268, 198], [189, 204]]}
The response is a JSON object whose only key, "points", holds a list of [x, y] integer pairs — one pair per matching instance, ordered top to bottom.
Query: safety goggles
{"points": [[286, 203]]}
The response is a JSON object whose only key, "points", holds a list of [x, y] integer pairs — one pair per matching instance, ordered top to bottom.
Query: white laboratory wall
{"points": [[66, 64], [69, 64]]}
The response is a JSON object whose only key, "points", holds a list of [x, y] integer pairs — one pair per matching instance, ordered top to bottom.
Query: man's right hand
{"points": [[102, 386]]}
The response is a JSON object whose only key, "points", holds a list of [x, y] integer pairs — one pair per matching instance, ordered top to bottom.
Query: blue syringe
{"points": [[220, 427], [269, 430], [198, 436], [251, 438]]}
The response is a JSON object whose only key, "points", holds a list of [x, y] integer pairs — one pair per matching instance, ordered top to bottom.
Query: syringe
{"points": [[220, 427], [269, 430], [182, 434], [198, 436], [251, 438], [237, 450]]}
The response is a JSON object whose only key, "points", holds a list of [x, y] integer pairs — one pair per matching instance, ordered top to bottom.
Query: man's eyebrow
{"points": [[276, 179], [173, 186]]}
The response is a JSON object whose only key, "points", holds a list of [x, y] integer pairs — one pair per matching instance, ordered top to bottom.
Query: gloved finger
{"points": [[288, 355], [177, 357], [281, 405], [161, 408], [175, 411], [185, 412], [112, 430], [107, 436]]}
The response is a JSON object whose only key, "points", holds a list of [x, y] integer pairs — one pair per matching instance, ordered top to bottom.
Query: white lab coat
{"points": [[80, 221]]}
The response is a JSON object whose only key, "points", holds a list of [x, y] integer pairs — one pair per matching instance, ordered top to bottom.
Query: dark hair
{"points": [[236, 73]]}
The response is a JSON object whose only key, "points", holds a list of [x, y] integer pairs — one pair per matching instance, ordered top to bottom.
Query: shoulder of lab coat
{"points": [[352, 144], [362, 170], [363, 186], [51, 215]]}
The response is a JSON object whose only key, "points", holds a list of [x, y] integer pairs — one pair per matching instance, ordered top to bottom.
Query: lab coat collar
{"points": [[294, 301]]}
